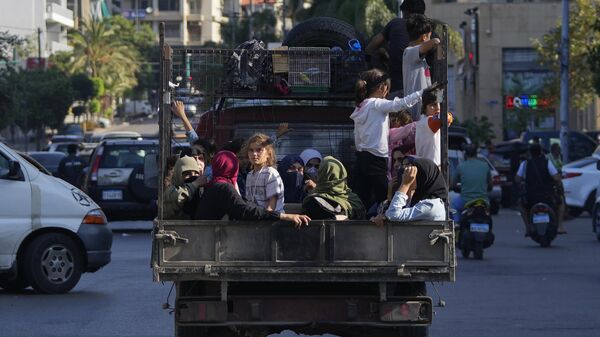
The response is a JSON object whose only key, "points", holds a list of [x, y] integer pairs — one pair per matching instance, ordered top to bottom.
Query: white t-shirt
{"points": [[415, 75], [371, 122], [427, 143], [551, 169], [262, 185]]}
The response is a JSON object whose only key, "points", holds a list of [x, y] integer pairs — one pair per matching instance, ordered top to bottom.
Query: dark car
{"points": [[72, 129], [49, 160], [115, 179]]}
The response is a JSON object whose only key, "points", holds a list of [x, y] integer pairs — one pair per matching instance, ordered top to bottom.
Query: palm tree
{"points": [[99, 52]]}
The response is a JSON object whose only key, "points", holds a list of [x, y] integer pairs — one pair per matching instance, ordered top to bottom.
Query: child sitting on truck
{"points": [[371, 132], [264, 186], [220, 197]]}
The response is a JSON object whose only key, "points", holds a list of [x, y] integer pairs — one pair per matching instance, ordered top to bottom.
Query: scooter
{"points": [[543, 224], [475, 229]]}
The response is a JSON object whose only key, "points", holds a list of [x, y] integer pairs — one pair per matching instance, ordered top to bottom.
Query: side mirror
{"points": [[598, 165], [14, 170], [151, 171]]}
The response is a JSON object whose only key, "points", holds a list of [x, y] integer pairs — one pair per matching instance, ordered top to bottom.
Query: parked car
{"points": [[72, 129], [116, 135], [580, 144], [456, 157], [49, 160], [115, 178], [580, 180], [49, 243]]}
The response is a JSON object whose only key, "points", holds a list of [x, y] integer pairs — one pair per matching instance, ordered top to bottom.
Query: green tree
{"points": [[583, 38], [7, 43], [594, 56], [83, 86], [40, 99], [479, 129]]}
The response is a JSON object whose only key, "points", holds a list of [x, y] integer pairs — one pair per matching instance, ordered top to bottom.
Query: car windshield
{"points": [[126, 156], [47, 160]]}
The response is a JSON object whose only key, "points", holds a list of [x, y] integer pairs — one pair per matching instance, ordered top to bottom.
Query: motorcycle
{"points": [[543, 224], [475, 229]]}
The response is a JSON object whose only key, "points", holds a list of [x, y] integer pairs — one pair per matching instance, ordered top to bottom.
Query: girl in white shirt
{"points": [[371, 131], [427, 137]]}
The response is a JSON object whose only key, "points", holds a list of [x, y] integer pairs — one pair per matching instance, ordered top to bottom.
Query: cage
{"points": [[309, 69]]}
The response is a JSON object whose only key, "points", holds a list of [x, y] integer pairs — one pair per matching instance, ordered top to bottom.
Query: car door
{"points": [[15, 210]]}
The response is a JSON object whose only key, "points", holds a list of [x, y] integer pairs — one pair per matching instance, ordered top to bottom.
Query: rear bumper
{"points": [[97, 240]]}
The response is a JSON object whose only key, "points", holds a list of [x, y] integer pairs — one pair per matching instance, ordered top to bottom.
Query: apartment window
{"points": [[168, 5], [195, 6], [172, 30], [194, 30]]}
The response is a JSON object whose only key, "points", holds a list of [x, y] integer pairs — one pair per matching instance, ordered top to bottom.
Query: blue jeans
{"points": [[459, 205]]}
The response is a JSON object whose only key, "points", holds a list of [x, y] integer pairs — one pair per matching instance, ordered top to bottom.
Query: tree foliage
{"points": [[263, 28], [583, 40], [7, 43], [594, 56], [83, 86], [479, 129]]}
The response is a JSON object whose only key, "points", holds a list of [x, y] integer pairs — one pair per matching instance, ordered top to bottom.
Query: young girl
{"points": [[371, 131], [427, 138], [264, 186]]}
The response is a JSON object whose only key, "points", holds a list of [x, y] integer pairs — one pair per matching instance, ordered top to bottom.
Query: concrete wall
{"points": [[23, 18]]}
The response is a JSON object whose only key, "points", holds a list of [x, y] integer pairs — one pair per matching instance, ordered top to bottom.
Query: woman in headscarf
{"points": [[312, 159], [291, 170], [423, 179], [185, 183], [221, 197], [332, 198]]}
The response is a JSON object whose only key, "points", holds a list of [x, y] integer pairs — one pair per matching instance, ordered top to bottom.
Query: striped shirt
{"points": [[264, 184]]}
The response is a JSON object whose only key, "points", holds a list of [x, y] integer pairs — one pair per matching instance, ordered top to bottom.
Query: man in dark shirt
{"points": [[396, 36], [71, 167]]}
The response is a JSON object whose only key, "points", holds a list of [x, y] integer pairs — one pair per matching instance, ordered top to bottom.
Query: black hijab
{"points": [[430, 181]]}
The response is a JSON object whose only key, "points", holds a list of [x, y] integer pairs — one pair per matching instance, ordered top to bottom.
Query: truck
{"points": [[253, 278]]}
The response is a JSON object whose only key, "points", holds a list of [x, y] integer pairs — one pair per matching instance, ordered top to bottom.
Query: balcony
{"points": [[55, 13]]}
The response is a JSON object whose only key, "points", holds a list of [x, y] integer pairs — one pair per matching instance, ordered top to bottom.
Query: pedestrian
{"points": [[395, 34], [415, 70], [371, 132], [427, 138], [555, 156], [311, 159], [70, 168], [291, 170], [423, 179], [475, 180], [185, 185], [264, 186], [220, 197], [332, 198]]}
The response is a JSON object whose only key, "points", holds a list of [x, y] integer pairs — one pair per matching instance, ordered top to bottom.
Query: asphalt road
{"points": [[519, 289]]}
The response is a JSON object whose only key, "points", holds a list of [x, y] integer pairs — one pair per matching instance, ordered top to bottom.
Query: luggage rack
{"points": [[280, 74]]}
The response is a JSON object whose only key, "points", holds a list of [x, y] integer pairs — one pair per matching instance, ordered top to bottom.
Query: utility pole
{"points": [[39, 36], [564, 82]]}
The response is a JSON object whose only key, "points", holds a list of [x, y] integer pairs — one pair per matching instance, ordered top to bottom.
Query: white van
{"points": [[50, 231]]}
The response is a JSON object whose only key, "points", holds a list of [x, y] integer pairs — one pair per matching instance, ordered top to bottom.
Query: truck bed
{"points": [[324, 251]]}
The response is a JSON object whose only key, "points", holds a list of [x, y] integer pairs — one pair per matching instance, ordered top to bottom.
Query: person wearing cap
{"points": [[396, 36], [184, 187]]}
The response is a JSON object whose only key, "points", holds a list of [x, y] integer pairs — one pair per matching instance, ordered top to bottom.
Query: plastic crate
{"points": [[309, 69]]}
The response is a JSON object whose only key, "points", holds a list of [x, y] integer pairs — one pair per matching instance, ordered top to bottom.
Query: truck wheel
{"points": [[322, 32], [53, 263], [13, 285]]}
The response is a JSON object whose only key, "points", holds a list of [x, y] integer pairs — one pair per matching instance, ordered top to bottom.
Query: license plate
{"points": [[112, 195], [541, 218], [480, 227]]}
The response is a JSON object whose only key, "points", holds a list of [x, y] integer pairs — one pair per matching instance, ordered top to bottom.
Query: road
{"points": [[518, 290]]}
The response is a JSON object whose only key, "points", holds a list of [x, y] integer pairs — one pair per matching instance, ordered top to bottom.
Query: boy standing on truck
{"points": [[415, 71]]}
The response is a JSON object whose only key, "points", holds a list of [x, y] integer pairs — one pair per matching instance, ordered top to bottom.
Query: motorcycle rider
{"points": [[475, 178], [539, 180]]}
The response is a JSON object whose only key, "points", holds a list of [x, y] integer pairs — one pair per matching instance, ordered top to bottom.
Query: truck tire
{"points": [[322, 32], [53, 263], [13, 284]]}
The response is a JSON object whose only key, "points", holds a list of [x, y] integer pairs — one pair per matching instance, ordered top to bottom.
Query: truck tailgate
{"points": [[323, 251]]}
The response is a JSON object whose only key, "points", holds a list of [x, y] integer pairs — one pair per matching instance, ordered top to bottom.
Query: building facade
{"points": [[51, 17], [187, 22], [503, 79]]}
